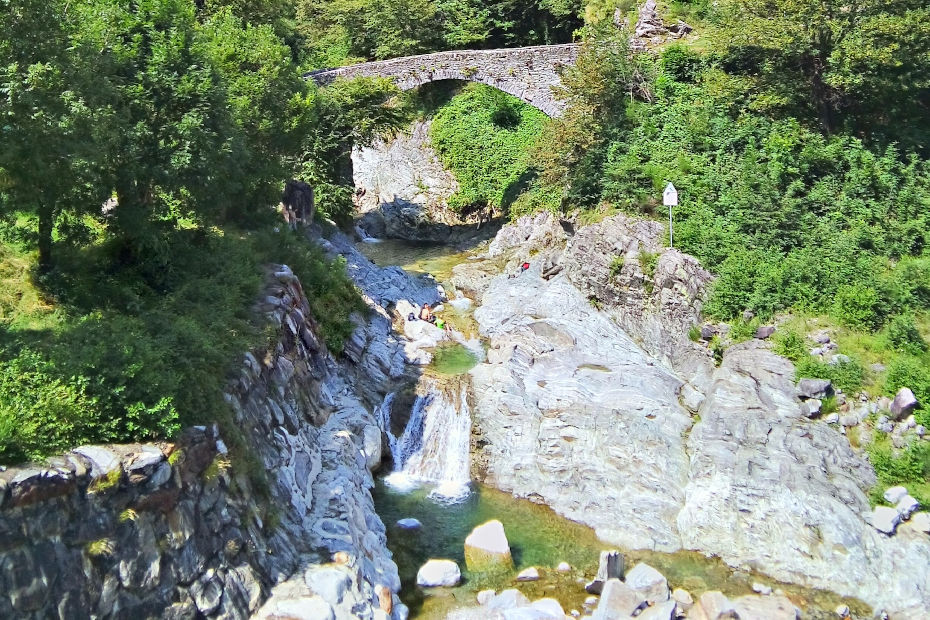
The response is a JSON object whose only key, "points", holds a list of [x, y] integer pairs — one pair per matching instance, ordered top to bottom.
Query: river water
{"points": [[429, 480]]}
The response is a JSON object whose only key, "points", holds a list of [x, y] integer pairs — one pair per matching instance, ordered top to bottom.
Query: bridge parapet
{"points": [[528, 73]]}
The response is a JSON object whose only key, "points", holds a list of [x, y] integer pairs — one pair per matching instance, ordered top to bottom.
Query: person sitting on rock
{"points": [[426, 314]]}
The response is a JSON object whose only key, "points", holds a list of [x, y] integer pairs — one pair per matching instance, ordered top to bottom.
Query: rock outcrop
{"points": [[586, 403], [179, 530]]}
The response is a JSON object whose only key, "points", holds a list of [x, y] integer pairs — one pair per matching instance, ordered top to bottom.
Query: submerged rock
{"points": [[409, 524], [487, 547], [437, 573]]}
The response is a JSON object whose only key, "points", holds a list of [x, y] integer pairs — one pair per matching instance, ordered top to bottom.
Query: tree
{"points": [[835, 56], [267, 100], [48, 129], [174, 147]]}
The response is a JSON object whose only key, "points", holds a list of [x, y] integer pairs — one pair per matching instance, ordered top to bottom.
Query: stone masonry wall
{"points": [[528, 73], [177, 530]]}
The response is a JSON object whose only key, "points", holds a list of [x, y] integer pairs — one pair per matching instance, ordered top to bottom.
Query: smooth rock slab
{"points": [[885, 519], [920, 521], [487, 546], [437, 573], [648, 582], [330, 583], [485, 596], [508, 599], [618, 600], [549, 606], [305, 608], [765, 608], [661, 611]]}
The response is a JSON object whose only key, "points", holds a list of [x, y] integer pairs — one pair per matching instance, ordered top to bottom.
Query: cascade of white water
{"points": [[384, 417], [434, 446]]}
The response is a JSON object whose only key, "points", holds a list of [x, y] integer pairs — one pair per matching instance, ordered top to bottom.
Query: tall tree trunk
{"points": [[823, 97], [46, 224]]}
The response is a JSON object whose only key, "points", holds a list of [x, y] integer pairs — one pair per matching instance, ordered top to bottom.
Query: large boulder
{"points": [[815, 388], [903, 404], [487, 547], [439, 573], [648, 582], [618, 600]]}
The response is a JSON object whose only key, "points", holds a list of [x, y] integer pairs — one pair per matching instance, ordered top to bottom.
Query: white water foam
{"points": [[433, 449]]}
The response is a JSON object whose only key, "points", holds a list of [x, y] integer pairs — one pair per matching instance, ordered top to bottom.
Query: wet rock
{"points": [[815, 388], [903, 404], [409, 524], [487, 546], [439, 573], [528, 574], [618, 600]]}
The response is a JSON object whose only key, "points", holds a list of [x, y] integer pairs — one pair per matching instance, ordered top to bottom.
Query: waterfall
{"points": [[433, 449]]}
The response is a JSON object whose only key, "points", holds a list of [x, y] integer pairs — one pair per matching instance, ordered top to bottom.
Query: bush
{"points": [[484, 137], [858, 306], [902, 335], [790, 344], [847, 376], [910, 466]]}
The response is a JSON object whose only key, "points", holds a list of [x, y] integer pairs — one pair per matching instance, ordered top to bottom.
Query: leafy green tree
{"points": [[837, 57], [267, 99], [48, 128], [174, 145]]}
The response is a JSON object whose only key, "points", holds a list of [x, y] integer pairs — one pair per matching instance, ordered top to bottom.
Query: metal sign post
{"points": [[670, 199]]}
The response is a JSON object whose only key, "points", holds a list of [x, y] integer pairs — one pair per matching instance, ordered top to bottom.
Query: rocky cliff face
{"points": [[594, 401], [174, 530]]}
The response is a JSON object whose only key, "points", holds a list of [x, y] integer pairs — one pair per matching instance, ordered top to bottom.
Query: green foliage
{"points": [[342, 31], [864, 68], [500, 127], [616, 265], [858, 306], [741, 331], [694, 333], [902, 335], [790, 344], [135, 352], [847, 376], [910, 466]]}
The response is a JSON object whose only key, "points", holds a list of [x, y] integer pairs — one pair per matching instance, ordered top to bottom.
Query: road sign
{"points": [[670, 199]]}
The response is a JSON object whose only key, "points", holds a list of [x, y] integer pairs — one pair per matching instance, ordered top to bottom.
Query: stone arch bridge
{"points": [[528, 73]]}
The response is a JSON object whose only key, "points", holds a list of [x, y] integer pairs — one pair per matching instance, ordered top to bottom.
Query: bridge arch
{"points": [[527, 73]]}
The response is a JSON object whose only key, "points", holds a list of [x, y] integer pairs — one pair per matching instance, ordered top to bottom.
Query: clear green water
{"points": [[415, 258], [452, 359], [539, 537]]}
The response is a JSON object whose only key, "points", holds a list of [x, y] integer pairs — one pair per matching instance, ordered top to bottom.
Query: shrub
{"points": [[858, 306], [902, 335], [790, 344], [847, 376], [910, 466]]}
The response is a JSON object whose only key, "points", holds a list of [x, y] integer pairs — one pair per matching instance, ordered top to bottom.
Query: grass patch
{"points": [[909, 467]]}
